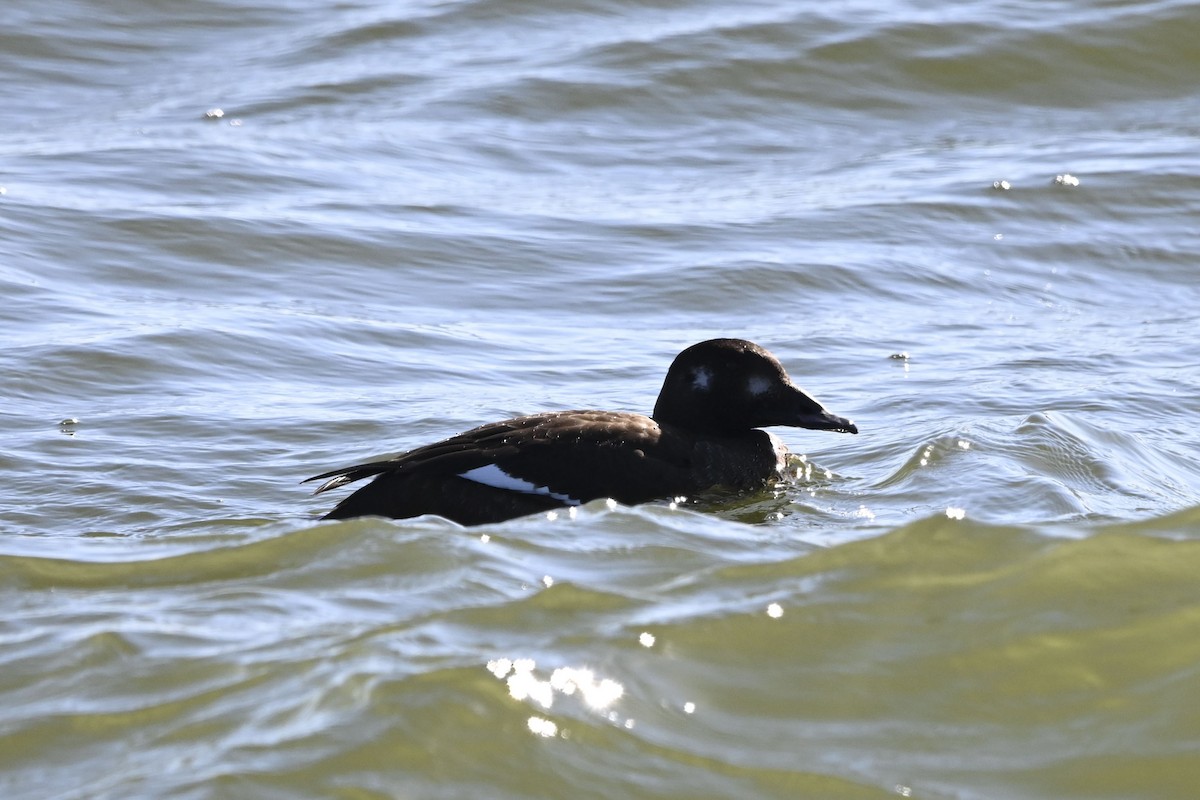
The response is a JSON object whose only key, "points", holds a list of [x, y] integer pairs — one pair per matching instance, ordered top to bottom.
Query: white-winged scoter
{"points": [[702, 435]]}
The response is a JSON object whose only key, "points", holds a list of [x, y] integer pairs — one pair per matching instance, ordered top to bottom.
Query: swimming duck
{"points": [[704, 433]]}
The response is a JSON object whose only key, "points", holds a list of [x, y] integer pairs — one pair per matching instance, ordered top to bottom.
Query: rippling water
{"points": [[241, 244]]}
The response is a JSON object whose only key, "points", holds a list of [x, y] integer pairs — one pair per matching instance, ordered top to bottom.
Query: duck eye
{"points": [[758, 385]]}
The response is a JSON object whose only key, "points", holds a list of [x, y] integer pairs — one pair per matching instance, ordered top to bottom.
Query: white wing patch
{"points": [[492, 475]]}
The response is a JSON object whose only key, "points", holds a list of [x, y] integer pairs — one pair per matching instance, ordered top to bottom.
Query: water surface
{"points": [[244, 244]]}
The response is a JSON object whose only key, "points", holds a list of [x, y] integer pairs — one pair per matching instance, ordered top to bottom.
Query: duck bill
{"points": [[801, 411], [824, 421]]}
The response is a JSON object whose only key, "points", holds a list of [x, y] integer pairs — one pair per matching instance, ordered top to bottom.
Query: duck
{"points": [[703, 434]]}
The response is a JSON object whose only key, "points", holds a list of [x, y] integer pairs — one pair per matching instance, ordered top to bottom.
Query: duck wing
{"points": [[570, 456]]}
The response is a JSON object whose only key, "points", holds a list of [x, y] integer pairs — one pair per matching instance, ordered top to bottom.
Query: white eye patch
{"points": [[701, 378], [758, 385], [492, 475]]}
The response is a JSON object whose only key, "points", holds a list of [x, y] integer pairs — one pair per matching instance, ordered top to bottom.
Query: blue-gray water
{"points": [[410, 218]]}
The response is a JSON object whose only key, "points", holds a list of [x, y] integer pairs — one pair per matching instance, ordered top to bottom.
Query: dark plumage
{"points": [[703, 434]]}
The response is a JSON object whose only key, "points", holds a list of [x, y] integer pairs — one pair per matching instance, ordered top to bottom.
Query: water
{"points": [[410, 218]]}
